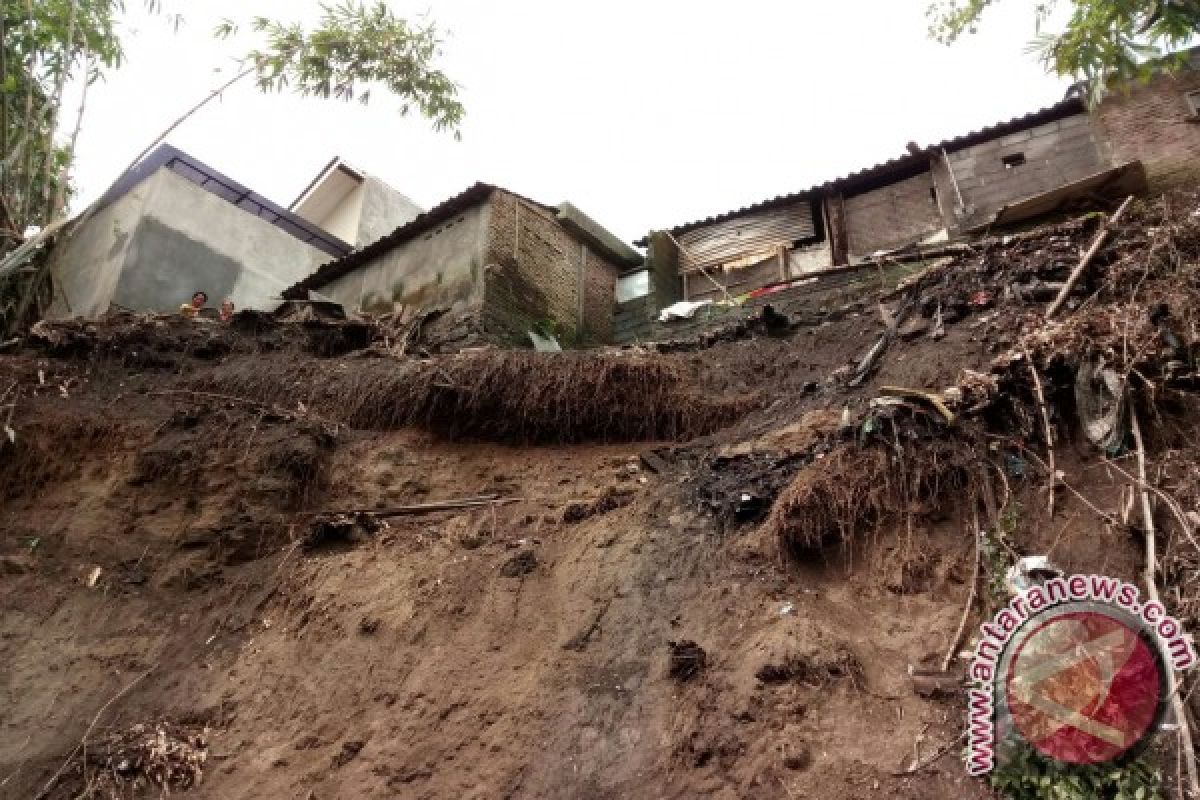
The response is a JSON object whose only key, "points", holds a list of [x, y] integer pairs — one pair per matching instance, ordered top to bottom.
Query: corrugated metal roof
{"points": [[899, 168], [759, 232]]}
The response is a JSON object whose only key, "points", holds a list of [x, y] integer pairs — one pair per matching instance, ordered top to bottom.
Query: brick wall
{"points": [[1152, 124], [1055, 154], [892, 215], [533, 276]]}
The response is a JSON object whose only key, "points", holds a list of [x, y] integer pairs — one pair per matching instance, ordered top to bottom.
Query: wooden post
{"points": [[834, 210], [517, 236], [583, 253]]}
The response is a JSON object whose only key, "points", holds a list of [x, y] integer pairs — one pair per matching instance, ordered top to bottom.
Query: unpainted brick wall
{"points": [[1152, 124], [1056, 154], [892, 215], [532, 276]]}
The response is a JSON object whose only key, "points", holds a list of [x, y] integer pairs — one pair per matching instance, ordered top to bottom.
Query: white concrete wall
{"points": [[381, 210], [342, 219], [168, 238], [809, 259], [87, 265], [441, 267]]}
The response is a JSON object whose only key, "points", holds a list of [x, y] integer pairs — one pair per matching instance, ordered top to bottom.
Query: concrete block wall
{"points": [[1153, 124], [1055, 154], [892, 215], [533, 276]]}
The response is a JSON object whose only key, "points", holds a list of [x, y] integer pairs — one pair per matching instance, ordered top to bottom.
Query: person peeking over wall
{"points": [[190, 310], [226, 310]]}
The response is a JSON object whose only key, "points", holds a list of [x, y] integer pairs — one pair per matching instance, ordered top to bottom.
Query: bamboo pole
{"points": [[55, 105], [60, 190], [1097, 243], [16, 258], [1186, 748]]}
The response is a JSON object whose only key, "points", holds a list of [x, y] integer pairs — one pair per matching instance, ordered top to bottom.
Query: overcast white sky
{"points": [[644, 113]]}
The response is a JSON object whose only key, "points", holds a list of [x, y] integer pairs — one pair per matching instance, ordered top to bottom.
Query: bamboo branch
{"points": [[4, 33], [29, 73], [55, 106], [60, 189], [1097, 243], [17, 257], [1041, 398], [430, 508], [1176, 510], [966, 615], [1186, 748], [937, 754]]}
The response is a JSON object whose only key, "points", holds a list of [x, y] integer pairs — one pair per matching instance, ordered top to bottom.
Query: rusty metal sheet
{"points": [[736, 240]]}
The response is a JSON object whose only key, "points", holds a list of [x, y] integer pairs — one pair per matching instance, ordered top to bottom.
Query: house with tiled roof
{"points": [[498, 263]]}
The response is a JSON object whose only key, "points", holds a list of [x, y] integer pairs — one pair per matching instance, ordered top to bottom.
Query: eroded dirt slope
{"points": [[196, 540]]}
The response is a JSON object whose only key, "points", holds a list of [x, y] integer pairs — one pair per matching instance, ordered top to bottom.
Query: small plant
{"points": [[549, 328], [1026, 775]]}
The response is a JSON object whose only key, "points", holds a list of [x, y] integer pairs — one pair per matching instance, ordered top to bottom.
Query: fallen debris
{"points": [[510, 396], [653, 461], [611, 500], [333, 530], [519, 564], [687, 660], [815, 670], [936, 684], [163, 757]]}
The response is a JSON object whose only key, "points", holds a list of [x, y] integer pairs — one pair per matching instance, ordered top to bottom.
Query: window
{"points": [[1193, 101], [1014, 160], [933, 194], [633, 285]]}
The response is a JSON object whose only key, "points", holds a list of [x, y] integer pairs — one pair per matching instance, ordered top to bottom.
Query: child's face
{"points": [[198, 300]]}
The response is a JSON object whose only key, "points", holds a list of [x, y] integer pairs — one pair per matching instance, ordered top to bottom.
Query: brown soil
{"points": [[614, 631]]}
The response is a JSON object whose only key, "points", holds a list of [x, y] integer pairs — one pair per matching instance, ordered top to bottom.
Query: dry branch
{"points": [[1097, 243], [1041, 398], [430, 508], [966, 615], [1178, 710], [83, 741], [943, 750]]}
